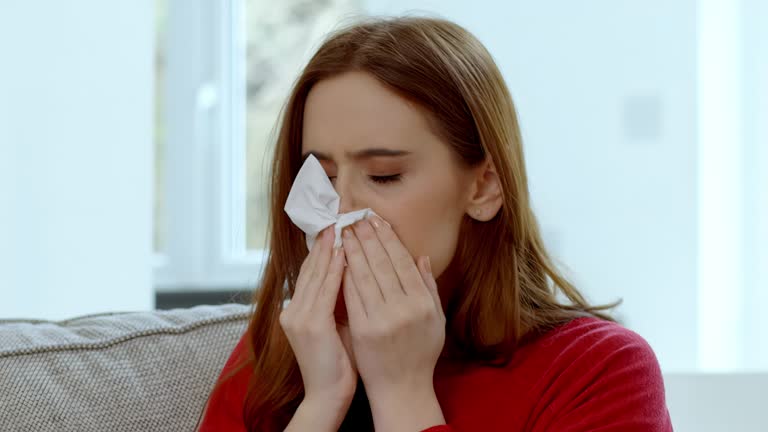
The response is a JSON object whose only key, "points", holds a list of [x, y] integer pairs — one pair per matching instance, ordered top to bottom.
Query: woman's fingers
{"points": [[401, 259], [378, 260], [425, 268], [308, 270], [320, 272], [367, 287], [329, 292], [356, 312], [324, 361]]}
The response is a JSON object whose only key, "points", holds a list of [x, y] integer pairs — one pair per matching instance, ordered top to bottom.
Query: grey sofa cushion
{"points": [[138, 371]]}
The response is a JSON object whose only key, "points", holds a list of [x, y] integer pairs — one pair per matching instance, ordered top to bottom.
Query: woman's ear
{"points": [[485, 197]]}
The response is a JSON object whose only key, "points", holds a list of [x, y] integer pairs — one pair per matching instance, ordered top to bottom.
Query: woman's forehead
{"points": [[353, 111]]}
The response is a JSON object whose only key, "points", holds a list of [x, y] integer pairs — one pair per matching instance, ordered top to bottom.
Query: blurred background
{"points": [[134, 137]]}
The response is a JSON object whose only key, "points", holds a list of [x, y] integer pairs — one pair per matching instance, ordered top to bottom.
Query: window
{"points": [[161, 19], [279, 40], [232, 64], [226, 66]]}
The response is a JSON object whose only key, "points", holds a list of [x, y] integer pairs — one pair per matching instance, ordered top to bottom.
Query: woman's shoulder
{"points": [[586, 335], [593, 346], [597, 370], [583, 375]]}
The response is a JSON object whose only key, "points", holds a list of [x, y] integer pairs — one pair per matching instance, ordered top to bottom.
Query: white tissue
{"points": [[313, 204]]}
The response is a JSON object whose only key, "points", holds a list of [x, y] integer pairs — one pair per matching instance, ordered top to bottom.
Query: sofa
{"points": [[131, 371], [152, 371]]}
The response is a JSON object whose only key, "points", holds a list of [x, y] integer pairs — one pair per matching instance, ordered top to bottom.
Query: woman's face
{"points": [[380, 152]]}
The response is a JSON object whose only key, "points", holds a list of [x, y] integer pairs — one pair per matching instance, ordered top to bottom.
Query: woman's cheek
{"points": [[407, 225], [414, 240]]}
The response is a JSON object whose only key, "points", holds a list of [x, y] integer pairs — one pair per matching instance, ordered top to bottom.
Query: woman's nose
{"points": [[347, 199], [346, 204], [344, 208]]}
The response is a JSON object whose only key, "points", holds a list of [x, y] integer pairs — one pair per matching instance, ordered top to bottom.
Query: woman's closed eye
{"points": [[377, 179], [385, 179]]}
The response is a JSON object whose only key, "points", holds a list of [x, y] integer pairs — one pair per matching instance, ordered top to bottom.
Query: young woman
{"points": [[445, 313]]}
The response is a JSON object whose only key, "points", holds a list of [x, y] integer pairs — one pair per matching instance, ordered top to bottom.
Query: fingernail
{"points": [[375, 221], [336, 250], [428, 266]]}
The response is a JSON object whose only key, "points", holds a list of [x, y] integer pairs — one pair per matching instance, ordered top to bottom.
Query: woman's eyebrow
{"points": [[376, 152], [360, 154], [319, 155]]}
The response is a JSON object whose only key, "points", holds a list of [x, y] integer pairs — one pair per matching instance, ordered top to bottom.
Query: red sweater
{"points": [[587, 375]]}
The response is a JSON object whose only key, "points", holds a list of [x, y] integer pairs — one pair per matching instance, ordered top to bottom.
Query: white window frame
{"points": [[205, 186]]}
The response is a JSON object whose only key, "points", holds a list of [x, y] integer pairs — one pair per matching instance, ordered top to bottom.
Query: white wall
{"points": [[606, 94], [610, 110], [76, 156], [756, 180], [717, 402]]}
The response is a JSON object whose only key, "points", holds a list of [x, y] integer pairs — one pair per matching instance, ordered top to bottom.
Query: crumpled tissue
{"points": [[313, 203]]}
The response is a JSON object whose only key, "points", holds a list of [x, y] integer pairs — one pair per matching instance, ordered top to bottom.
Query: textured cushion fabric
{"points": [[134, 371]]}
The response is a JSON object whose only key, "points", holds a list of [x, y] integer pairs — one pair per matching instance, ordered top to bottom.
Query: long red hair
{"points": [[509, 284]]}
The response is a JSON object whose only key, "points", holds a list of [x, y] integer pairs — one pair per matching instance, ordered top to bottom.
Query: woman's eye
{"points": [[385, 179]]}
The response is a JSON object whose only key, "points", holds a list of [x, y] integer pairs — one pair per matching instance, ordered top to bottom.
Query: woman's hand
{"points": [[308, 321], [397, 326]]}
